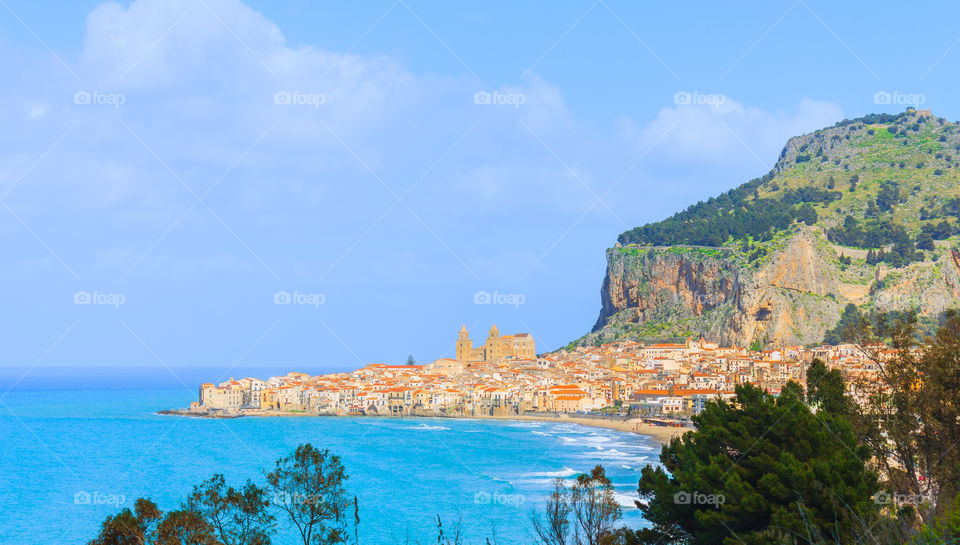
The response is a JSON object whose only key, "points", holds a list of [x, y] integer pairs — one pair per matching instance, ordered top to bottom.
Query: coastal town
{"points": [[505, 377]]}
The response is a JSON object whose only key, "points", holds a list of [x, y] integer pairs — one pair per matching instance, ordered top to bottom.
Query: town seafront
{"points": [[651, 389]]}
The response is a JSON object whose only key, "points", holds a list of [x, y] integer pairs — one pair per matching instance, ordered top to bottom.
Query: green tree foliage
{"points": [[889, 196], [734, 214], [807, 214], [938, 231], [876, 233], [870, 234], [925, 241], [848, 328], [826, 390], [913, 425], [759, 470], [308, 486], [595, 510], [214, 514], [584, 514], [240, 517], [147, 525], [552, 526], [130, 527], [185, 527], [942, 530]]}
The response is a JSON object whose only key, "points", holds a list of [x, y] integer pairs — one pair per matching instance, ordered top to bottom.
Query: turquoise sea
{"points": [[70, 457]]}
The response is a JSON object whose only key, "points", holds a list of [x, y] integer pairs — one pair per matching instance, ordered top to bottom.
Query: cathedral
{"points": [[496, 348]]}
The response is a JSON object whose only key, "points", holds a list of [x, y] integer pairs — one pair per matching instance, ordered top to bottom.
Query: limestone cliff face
{"points": [[887, 183], [792, 295]]}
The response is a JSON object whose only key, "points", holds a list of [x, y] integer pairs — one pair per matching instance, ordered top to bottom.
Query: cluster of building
{"points": [[505, 377]]}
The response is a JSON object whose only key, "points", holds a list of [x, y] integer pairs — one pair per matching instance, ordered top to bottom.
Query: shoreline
{"points": [[661, 434]]}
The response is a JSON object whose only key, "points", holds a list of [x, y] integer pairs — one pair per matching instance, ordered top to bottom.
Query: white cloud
{"points": [[198, 86], [36, 110], [732, 132]]}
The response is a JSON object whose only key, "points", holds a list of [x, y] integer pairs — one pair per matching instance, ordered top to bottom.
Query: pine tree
{"points": [[759, 470]]}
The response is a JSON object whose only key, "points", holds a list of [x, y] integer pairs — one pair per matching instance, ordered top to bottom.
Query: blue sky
{"points": [[184, 164]]}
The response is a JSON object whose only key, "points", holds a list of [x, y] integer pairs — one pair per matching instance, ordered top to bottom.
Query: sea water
{"points": [[72, 457]]}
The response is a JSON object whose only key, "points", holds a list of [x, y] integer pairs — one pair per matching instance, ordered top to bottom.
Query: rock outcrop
{"points": [[887, 183], [791, 296]]}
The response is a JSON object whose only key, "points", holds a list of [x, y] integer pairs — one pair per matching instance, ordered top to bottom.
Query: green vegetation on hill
{"points": [[887, 183], [864, 212], [736, 214], [853, 321]]}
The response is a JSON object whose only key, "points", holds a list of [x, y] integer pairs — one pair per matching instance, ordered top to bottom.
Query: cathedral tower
{"points": [[464, 345], [492, 348]]}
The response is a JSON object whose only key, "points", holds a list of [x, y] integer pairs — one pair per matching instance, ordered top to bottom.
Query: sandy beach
{"points": [[633, 425], [662, 434]]}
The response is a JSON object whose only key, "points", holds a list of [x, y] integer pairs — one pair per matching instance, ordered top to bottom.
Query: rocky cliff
{"points": [[791, 285], [792, 297]]}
